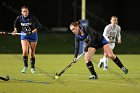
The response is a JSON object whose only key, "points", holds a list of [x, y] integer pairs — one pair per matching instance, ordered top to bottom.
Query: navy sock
{"points": [[25, 60], [32, 62], [118, 62], [91, 68]]}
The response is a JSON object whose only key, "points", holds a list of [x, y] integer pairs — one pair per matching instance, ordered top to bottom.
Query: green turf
{"points": [[75, 80]]}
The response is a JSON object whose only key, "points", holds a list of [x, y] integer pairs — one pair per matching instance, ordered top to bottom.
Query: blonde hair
{"points": [[115, 18]]}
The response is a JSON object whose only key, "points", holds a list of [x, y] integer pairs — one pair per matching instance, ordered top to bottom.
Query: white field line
{"points": [[74, 74], [97, 81]]}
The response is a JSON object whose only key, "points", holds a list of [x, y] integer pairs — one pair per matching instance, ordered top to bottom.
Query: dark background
{"points": [[56, 13], [60, 13]]}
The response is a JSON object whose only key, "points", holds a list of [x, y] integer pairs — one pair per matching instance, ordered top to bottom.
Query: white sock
{"points": [[101, 60], [105, 60]]}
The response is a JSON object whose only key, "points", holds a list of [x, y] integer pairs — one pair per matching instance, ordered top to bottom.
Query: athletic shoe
{"points": [[100, 65], [105, 68], [24, 70], [33, 70], [125, 70], [93, 77]]}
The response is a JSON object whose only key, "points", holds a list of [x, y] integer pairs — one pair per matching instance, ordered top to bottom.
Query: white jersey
{"points": [[112, 32]]}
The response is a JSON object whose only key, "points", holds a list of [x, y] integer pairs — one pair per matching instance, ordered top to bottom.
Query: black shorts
{"points": [[98, 44]]}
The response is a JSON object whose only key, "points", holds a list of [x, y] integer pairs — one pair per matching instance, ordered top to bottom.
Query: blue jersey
{"points": [[27, 24], [83, 37]]}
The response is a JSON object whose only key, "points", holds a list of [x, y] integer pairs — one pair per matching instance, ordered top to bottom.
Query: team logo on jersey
{"points": [[26, 24], [113, 33], [112, 36]]}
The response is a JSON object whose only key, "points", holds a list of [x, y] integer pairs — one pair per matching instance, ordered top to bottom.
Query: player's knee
{"points": [[25, 53], [32, 55], [111, 56], [87, 58]]}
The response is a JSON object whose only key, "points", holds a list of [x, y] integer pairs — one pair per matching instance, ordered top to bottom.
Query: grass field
{"points": [[74, 80]]}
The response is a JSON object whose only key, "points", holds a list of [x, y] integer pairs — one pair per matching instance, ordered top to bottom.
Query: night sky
{"points": [[59, 13]]}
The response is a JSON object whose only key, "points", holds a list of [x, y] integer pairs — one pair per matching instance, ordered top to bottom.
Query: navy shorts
{"points": [[32, 38]]}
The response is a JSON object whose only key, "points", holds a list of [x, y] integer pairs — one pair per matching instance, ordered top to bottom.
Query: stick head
{"points": [[56, 77]]}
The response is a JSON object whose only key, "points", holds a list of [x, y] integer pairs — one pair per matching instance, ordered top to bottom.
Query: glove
{"points": [[3, 33], [28, 33], [119, 42], [86, 49], [74, 60]]}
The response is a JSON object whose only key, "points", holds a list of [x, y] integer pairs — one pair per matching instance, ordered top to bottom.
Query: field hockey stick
{"points": [[12, 33], [17, 33], [111, 42], [115, 42], [64, 70], [4, 78]]}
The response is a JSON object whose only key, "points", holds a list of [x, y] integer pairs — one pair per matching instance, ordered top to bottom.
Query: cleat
{"points": [[100, 65], [105, 68], [24, 70], [33, 70], [125, 70], [93, 77]]}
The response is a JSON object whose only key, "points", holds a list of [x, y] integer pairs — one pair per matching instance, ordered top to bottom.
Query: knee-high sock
{"points": [[25, 60], [105, 60], [32, 62], [118, 62], [91, 68]]}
